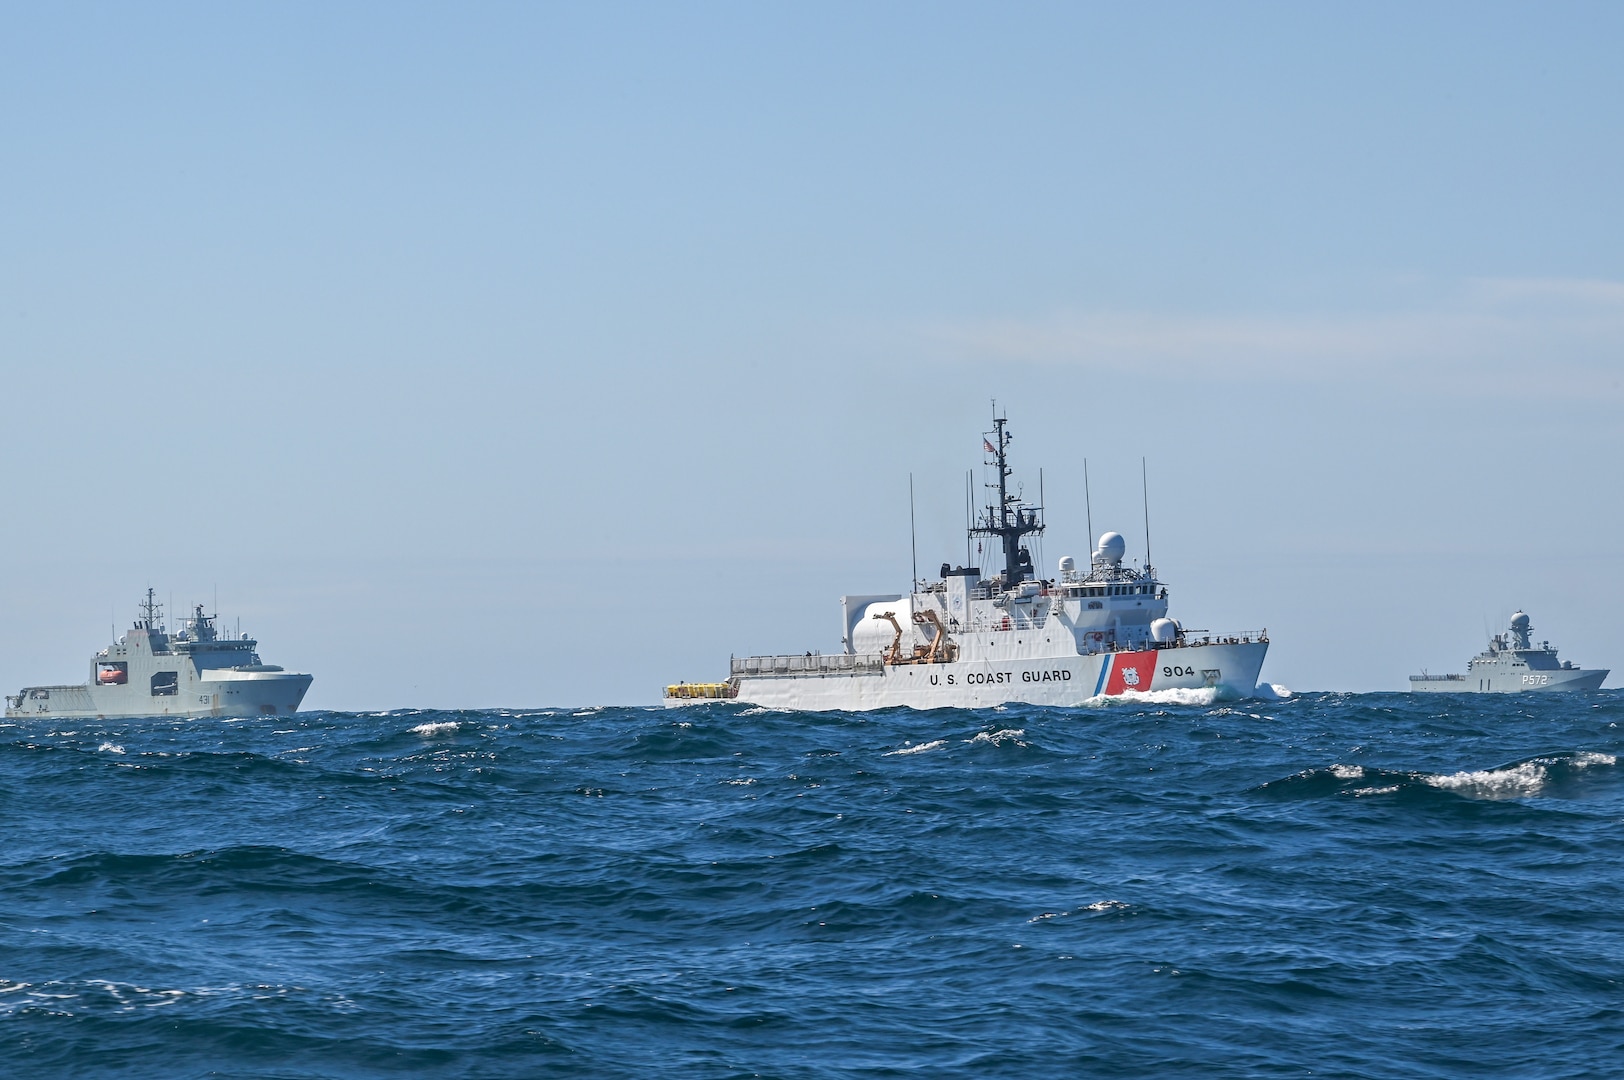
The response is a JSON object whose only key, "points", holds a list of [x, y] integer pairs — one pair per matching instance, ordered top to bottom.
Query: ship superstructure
{"points": [[966, 640], [1512, 664], [150, 672]]}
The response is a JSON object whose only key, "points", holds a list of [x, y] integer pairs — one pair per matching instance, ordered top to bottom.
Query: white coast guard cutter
{"points": [[967, 641]]}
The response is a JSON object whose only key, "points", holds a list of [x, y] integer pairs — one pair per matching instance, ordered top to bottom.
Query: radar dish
{"points": [[1112, 548]]}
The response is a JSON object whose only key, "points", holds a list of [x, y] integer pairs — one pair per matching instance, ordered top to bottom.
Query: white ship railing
{"points": [[1239, 637], [807, 663]]}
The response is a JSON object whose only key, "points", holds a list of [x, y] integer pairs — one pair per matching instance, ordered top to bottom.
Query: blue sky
{"points": [[524, 355]]}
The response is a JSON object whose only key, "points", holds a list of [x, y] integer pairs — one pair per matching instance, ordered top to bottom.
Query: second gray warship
{"points": [[1511, 665], [151, 672]]}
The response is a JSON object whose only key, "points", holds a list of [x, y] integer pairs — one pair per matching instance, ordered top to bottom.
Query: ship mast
{"points": [[1010, 519], [151, 610]]}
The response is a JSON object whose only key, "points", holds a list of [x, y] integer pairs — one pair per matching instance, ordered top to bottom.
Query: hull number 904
{"points": [[1175, 670]]}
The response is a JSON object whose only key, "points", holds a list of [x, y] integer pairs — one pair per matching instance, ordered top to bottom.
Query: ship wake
{"points": [[1204, 695]]}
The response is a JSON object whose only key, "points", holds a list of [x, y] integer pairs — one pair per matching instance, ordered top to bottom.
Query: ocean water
{"points": [[1321, 885]]}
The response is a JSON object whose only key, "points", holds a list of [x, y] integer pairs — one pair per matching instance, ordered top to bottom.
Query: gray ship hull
{"points": [[1510, 682], [237, 693]]}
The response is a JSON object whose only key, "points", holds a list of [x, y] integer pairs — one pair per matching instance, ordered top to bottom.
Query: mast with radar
{"points": [[1010, 519], [151, 611]]}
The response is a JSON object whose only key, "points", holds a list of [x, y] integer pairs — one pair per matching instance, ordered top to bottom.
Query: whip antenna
{"points": [[1144, 481], [1088, 503], [969, 512], [913, 535]]}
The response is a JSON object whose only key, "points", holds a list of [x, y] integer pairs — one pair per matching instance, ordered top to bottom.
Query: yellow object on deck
{"points": [[701, 690]]}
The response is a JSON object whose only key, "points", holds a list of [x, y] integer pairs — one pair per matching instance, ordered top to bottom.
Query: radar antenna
{"points": [[1010, 519], [151, 610], [202, 625]]}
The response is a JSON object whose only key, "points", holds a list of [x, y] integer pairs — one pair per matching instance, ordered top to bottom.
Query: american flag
{"points": [[991, 449]]}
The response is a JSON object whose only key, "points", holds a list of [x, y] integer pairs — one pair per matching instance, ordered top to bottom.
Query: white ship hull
{"points": [[1230, 670]]}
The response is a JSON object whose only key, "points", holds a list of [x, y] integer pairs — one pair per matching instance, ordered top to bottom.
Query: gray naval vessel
{"points": [[1510, 665], [151, 672]]}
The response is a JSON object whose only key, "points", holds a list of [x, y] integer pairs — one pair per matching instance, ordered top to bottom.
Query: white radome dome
{"points": [[1112, 548], [1068, 565], [1519, 621], [1164, 630]]}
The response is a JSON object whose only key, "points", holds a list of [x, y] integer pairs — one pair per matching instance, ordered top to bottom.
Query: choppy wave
{"points": [[999, 737], [919, 748], [1519, 779], [1151, 885]]}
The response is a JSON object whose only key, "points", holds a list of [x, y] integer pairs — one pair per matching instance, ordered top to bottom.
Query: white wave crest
{"points": [[1270, 691], [1177, 695], [438, 728], [998, 738], [110, 748], [920, 749], [1348, 772], [1514, 781], [1508, 783], [1388, 790], [1098, 905]]}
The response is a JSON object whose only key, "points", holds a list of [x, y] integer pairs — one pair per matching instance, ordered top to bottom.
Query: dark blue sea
{"points": [[1324, 885]]}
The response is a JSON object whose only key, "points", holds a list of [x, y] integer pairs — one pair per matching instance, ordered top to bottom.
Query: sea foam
{"points": [[1177, 695], [921, 748]]}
